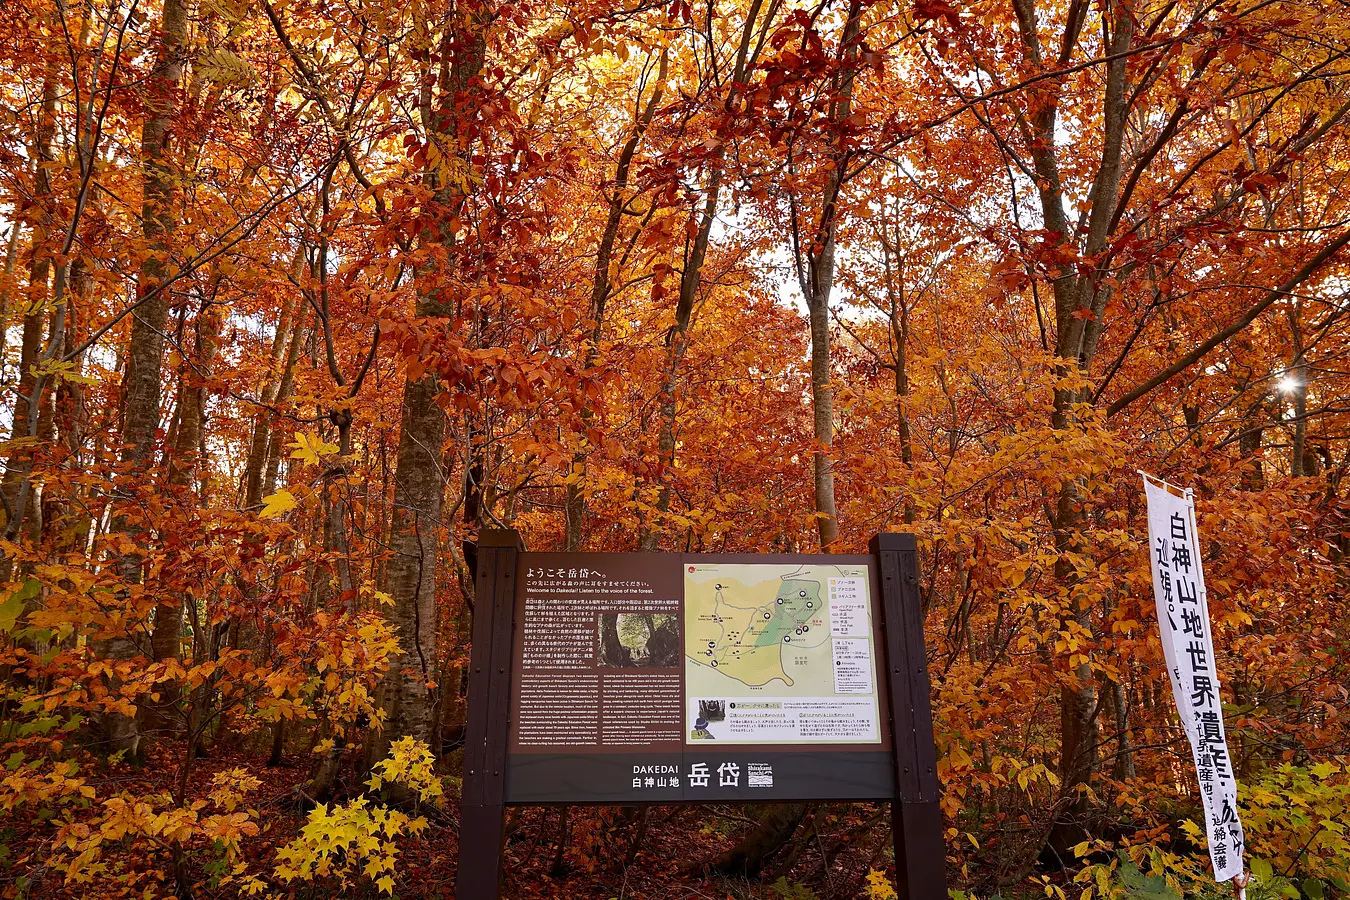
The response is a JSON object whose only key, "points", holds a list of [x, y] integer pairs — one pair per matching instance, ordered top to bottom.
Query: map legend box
{"points": [[848, 607], [852, 666]]}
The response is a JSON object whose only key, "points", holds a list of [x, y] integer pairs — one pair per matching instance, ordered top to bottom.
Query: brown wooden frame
{"points": [[485, 734], [916, 817]]}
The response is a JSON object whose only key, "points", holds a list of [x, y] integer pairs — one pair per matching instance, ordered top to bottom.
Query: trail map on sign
{"points": [[779, 654]]}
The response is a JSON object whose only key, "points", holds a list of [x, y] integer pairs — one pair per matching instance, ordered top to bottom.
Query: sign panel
{"points": [[1188, 648], [779, 654], [666, 678]]}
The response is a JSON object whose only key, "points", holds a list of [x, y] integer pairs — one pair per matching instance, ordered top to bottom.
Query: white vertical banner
{"points": [[1188, 647]]}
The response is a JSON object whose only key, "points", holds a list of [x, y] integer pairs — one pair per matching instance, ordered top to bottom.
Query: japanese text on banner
{"points": [[1188, 647]]}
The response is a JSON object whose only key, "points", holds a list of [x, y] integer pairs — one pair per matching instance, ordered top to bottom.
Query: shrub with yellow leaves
{"points": [[330, 674], [410, 764], [41, 781], [1297, 821], [155, 824], [359, 838], [1298, 844], [878, 887]]}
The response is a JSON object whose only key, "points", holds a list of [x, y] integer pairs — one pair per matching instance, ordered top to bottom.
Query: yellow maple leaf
{"points": [[310, 448], [276, 504], [386, 884], [878, 887]]}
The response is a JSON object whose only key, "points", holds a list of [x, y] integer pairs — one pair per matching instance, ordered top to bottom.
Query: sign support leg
{"points": [[482, 802], [916, 817]]}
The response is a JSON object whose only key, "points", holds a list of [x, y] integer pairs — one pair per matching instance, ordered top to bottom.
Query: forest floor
{"points": [[659, 853]]}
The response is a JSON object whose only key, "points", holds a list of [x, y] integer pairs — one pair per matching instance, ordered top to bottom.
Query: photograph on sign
{"points": [[638, 640]]}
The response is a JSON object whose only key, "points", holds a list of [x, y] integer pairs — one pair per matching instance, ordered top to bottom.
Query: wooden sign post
{"points": [[609, 678], [483, 798], [916, 817]]}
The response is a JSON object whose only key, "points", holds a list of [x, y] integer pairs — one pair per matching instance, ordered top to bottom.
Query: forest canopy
{"points": [[300, 295]]}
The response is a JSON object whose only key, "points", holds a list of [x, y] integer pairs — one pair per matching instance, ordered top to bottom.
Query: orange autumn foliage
{"points": [[299, 296]]}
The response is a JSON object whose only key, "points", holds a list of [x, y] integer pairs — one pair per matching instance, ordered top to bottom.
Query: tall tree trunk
{"points": [[819, 284], [8, 288], [1080, 305], [898, 316], [677, 338], [677, 343], [285, 352], [1298, 375], [285, 387], [141, 389], [27, 408], [822, 408], [1251, 437], [265, 451], [184, 460], [1298, 461], [20, 463], [335, 487], [19, 490], [575, 503], [64, 518], [335, 521], [410, 578], [407, 694], [1124, 768], [322, 780], [777, 823]]}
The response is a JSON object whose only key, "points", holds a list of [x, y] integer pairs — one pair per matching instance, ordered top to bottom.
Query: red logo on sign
{"points": [[691, 568]]}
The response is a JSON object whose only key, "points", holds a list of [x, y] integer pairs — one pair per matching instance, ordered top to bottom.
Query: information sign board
{"points": [[666, 677], [629, 678]]}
